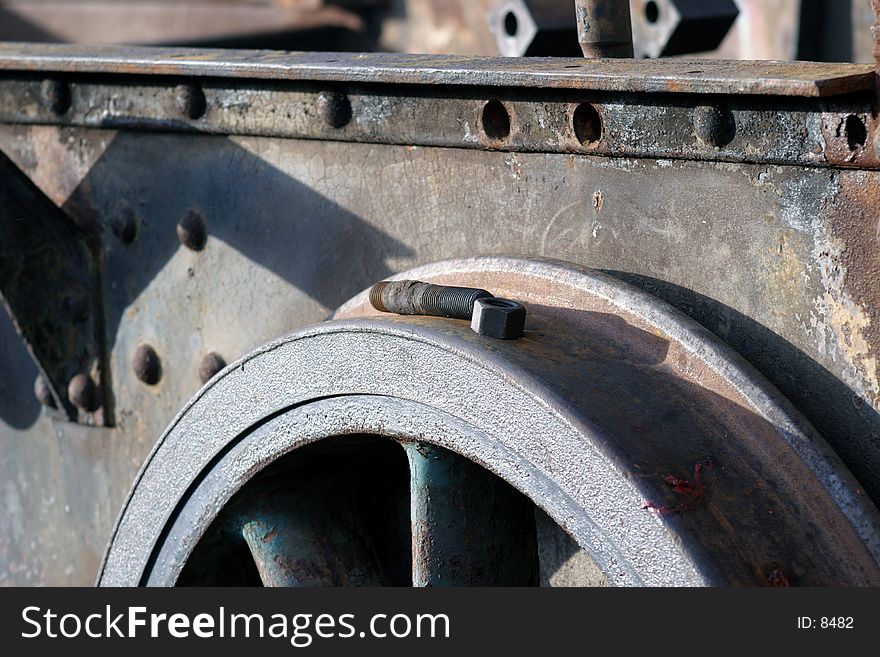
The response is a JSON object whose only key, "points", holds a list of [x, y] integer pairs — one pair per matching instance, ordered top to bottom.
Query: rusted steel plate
{"points": [[677, 76], [814, 132], [776, 260], [49, 282], [654, 444]]}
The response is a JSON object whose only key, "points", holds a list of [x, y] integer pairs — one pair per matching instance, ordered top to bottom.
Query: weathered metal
{"points": [[604, 28], [808, 79], [600, 119], [767, 240], [50, 284], [418, 298], [610, 394], [469, 528]]}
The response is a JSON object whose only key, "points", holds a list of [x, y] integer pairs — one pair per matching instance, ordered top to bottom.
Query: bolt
{"points": [[55, 96], [190, 100], [335, 108], [714, 126], [124, 225], [192, 231], [417, 298], [498, 318], [146, 364], [210, 365], [43, 392], [83, 393]]}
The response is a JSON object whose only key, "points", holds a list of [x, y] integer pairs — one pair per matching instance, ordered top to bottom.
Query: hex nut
{"points": [[498, 318]]}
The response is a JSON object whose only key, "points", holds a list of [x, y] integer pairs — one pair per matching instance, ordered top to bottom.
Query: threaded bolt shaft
{"points": [[417, 298]]}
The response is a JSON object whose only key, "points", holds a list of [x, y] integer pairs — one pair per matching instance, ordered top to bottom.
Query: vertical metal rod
{"points": [[604, 28], [470, 528], [299, 540]]}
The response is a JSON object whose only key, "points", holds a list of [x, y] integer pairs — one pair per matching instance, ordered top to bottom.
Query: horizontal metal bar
{"points": [[676, 76], [810, 132]]}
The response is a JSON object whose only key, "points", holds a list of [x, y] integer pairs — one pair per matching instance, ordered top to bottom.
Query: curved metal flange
{"points": [[611, 399]]}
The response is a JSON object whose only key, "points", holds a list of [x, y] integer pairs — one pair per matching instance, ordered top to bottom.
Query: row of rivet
{"points": [[191, 103], [714, 125], [82, 392]]}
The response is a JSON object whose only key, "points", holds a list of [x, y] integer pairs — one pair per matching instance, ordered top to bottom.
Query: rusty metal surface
{"points": [[604, 28], [675, 76], [836, 131], [744, 249], [51, 287], [603, 414], [469, 528]]}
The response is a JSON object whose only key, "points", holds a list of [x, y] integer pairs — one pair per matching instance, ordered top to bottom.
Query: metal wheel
{"points": [[654, 446]]}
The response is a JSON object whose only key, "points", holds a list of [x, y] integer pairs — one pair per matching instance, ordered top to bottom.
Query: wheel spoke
{"points": [[469, 527], [301, 539]]}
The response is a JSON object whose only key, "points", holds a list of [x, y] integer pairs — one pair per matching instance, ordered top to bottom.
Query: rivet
{"points": [[55, 95], [190, 100], [335, 108], [713, 125], [124, 225], [192, 231], [146, 364], [210, 365], [43, 392], [83, 393]]}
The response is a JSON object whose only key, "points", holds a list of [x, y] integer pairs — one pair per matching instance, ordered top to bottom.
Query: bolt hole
{"points": [[652, 12], [511, 24], [496, 120], [587, 124], [856, 132]]}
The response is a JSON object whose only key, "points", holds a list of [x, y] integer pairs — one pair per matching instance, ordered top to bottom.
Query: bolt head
{"points": [[335, 108], [714, 126], [124, 225], [192, 230], [498, 318], [146, 364], [210, 365], [43, 392], [83, 393]]}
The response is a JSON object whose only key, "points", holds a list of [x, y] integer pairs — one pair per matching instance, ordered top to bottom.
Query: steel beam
{"points": [[49, 283]]}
